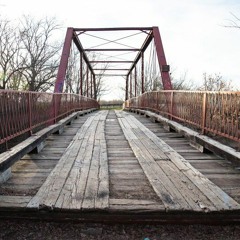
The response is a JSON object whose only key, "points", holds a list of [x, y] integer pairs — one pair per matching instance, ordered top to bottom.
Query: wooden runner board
{"points": [[80, 179], [179, 185], [14, 201]]}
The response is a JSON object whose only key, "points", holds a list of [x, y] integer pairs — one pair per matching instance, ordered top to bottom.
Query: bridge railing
{"points": [[24, 113], [217, 113]]}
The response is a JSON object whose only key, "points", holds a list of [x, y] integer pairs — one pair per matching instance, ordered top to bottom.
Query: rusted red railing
{"points": [[28, 112], [210, 112]]}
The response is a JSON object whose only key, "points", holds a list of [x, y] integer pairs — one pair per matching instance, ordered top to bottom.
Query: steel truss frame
{"points": [[73, 34]]}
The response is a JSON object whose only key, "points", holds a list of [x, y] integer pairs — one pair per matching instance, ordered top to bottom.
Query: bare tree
{"points": [[234, 23], [40, 56], [10, 62], [153, 81], [215, 83], [72, 84], [101, 88]]}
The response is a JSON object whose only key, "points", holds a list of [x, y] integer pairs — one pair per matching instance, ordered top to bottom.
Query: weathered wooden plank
{"points": [[42, 156], [92, 181], [87, 184], [52, 186], [164, 188], [71, 192], [194, 197], [218, 198], [14, 201], [102, 201], [114, 201], [138, 208]]}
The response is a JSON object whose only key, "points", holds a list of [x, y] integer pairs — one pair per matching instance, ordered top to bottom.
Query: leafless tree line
{"points": [[29, 54], [29, 58], [73, 78]]}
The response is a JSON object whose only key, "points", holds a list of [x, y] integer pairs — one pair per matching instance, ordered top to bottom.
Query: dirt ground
{"points": [[24, 229]]}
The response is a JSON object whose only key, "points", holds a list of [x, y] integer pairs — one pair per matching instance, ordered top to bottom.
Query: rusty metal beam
{"points": [[114, 29], [143, 48], [80, 49], [111, 49], [106, 61], [164, 68], [111, 69], [81, 73], [142, 73], [112, 75], [135, 76], [87, 80], [91, 85], [131, 85], [94, 87], [58, 88], [126, 88]]}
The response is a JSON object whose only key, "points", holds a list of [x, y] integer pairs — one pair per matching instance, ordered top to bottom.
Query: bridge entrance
{"points": [[134, 55], [171, 156]]}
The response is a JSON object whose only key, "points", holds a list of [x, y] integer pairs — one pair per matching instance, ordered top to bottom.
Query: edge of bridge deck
{"points": [[8, 158]]}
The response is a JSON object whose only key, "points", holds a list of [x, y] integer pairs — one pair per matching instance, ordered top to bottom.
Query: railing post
{"points": [[81, 73], [135, 76], [87, 80], [131, 85], [91, 86], [143, 89], [126, 91], [55, 107], [171, 108], [30, 112], [204, 112]]}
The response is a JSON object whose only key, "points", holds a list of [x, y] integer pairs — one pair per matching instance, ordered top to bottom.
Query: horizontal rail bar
{"points": [[24, 113], [214, 113]]}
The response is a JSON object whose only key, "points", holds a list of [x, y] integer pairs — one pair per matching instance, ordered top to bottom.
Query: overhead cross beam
{"points": [[112, 50]]}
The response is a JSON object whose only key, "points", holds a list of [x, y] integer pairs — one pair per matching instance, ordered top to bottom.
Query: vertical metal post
{"points": [[63, 62], [164, 68], [142, 72], [81, 73], [61, 75], [87, 80], [131, 85], [91, 86], [94, 87], [135, 89], [126, 91], [157, 102], [55, 107], [171, 109], [30, 111], [204, 112]]}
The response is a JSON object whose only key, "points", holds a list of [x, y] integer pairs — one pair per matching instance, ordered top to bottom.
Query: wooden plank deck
{"points": [[112, 165], [80, 179]]}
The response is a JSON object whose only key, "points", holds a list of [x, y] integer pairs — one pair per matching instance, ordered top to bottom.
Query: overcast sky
{"points": [[193, 33]]}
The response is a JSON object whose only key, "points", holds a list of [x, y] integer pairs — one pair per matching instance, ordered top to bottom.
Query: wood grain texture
{"points": [[80, 179], [184, 183]]}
